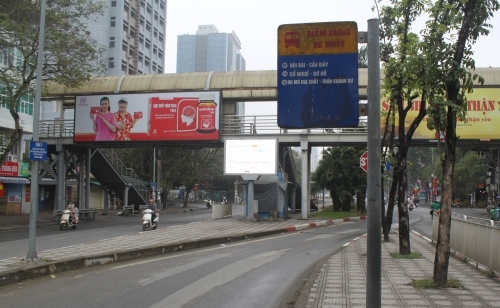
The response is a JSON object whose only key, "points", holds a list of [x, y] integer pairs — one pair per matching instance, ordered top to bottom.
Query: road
{"points": [[15, 243], [264, 272]]}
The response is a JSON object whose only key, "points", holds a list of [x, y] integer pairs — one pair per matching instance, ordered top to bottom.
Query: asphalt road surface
{"points": [[15, 243], [264, 272]]}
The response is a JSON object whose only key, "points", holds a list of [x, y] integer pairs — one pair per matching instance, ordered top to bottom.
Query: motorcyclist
{"points": [[435, 206], [152, 207], [74, 211]]}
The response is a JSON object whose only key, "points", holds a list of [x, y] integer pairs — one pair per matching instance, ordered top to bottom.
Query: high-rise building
{"points": [[134, 32], [208, 50]]}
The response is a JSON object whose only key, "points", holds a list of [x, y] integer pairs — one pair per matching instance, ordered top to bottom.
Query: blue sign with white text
{"points": [[318, 91], [38, 150]]}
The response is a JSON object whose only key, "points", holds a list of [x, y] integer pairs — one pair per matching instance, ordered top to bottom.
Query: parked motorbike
{"points": [[209, 203], [411, 207], [67, 221], [147, 222]]}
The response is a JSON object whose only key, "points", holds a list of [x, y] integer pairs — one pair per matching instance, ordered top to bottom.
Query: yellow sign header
{"points": [[318, 38], [483, 117]]}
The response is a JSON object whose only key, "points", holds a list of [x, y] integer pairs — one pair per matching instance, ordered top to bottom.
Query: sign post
{"points": [[363, 161]]}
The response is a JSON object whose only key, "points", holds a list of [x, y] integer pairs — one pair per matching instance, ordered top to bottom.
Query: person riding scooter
{"points": [[435, 206], [152, 207], [74, 211]]}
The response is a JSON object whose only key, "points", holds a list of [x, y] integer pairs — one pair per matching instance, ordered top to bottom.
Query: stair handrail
{"points": [[126, 173]]}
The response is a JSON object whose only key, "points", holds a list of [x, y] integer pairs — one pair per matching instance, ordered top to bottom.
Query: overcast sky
{"points": [[256, 24]]}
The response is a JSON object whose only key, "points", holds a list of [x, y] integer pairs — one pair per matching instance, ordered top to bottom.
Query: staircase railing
{"points": [[127, 173]]}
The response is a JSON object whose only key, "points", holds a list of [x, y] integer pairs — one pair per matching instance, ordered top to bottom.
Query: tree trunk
{"points": [[186, 197], [390, 205], [404, 223], [385, 232]]}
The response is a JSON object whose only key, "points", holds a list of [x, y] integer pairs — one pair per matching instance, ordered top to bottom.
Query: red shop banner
{"points": [[9, 168]]}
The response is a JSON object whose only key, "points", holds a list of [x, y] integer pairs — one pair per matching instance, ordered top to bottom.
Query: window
{"points": [[113, 3], [143, 3], [162, 5], [125, 7], [149, 9], [156, 16], [113, 21], [142, 21], [162, 21], [148, 26], [125, 28], [132, 32], [155, 33], [160, 38], [141, 39], [112, 41], [148, 44], [124, 46], [155, 49], [160, 54], [141, 57], [111, 62], [147, 62], [154, 67], [124, 68], [160, 69]]}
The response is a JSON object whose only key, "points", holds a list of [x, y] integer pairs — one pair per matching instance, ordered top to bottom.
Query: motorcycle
{"points": [[209, 203], [411, 207], [146, 220], [67, 221]]}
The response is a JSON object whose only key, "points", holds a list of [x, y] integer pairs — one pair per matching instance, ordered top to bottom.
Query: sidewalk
{"points": [[341, 281]]}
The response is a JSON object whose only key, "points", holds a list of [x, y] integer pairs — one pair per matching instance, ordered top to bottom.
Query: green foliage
{"points": [[70, 56], [339, 172], [414, 255], [428, 283]]}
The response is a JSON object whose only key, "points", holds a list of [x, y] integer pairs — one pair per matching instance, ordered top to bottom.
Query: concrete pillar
{"points": [[304, 146], [61, 178]]}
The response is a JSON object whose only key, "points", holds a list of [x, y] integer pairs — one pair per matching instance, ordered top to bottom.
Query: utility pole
{"points": [[32, 255]]}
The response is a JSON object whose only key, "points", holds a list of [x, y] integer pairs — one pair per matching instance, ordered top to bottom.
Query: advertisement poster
{"points": [[178, 116], [483, 117], [14, 193]]}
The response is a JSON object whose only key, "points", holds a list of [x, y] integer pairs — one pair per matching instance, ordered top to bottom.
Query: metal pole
{"points": [[374, 240], [31, 255]]}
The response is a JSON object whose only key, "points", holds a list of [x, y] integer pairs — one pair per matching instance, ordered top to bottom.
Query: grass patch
{"points": [[328, 213], [413, 255], [429, 284]]}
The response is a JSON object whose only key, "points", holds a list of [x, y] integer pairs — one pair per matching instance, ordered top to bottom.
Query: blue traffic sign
{"points": [[38, 150]]}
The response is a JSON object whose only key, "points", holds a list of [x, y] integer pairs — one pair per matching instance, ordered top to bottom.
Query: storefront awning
{"points": [[13, 180]]}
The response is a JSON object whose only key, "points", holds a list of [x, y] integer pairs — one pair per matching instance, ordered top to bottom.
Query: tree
{"points": [[70, 56], [451, 56], [437, 68], [405, 77], [339, 172]]}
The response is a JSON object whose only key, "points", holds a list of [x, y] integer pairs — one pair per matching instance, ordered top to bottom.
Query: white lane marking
{"points": [[319, 237], [199, 251], [180, 269], [218, 278]]}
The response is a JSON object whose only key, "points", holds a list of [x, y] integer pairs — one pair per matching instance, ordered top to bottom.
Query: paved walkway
{"points": [[341, 282]]}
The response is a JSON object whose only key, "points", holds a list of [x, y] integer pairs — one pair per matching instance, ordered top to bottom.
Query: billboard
{"points": [[318, 75], [179, 116], [483, 117], [255, 157]]}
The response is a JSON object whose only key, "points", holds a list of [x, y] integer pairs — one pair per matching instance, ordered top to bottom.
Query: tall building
{"points": [[134, 32], [208, 50]]}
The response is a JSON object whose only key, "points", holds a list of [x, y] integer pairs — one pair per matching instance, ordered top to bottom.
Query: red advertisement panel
{"points": [[178, 116], [9, 168]]}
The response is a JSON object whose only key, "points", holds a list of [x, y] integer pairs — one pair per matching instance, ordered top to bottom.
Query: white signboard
{"points": [[259, 156]]}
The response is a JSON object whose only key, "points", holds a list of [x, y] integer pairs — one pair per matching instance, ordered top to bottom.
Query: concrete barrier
{"points": [[220, 210]]}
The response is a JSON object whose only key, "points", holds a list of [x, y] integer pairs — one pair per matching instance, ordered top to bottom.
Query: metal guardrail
{"points": [[231, 125], [57, 128], [474, 238]]}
